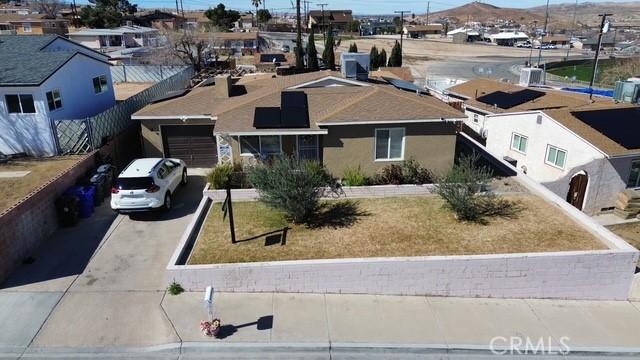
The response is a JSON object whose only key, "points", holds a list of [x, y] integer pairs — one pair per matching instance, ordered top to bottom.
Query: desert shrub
{"points": [[409, 172], [413, 173], [220, 176], [354, 176], [292, 186], [462, 189], [175, 289]]}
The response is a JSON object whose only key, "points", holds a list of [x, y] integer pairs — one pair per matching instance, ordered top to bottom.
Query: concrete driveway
{"points": [[99, 284]]}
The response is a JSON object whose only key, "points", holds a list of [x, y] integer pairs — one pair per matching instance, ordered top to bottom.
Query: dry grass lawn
{"points": [[12, 190], [388, 227], [630, 232]]}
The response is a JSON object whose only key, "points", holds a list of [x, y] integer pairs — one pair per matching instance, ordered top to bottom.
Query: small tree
{"points": [[49, 8], [263, 16], [222, 18], [187, 47], [353, 48], [312, 53], [328, 56], [374, 57], [382, 57], [395, 60], [291, 185], [463, 189]]}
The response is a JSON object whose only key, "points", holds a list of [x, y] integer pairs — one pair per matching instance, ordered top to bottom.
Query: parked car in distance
{"points": [[285, 48], [147, 184]]}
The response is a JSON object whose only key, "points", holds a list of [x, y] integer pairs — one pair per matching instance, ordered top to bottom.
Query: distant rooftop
{"points": [[129, 29]]}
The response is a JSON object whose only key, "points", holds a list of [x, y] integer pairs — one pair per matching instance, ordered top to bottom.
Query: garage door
{"points": [[195, 144]]}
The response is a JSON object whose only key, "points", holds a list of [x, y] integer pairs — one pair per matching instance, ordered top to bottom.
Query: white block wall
{"points": [[597, 275]]}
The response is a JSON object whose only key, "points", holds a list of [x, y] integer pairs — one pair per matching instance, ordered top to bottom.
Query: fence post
{"points": [[124, 71], [161, 77], [89, 128], [54, 133]]}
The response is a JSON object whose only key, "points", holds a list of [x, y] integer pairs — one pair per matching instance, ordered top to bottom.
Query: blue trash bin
{"points": [[86, 195]]}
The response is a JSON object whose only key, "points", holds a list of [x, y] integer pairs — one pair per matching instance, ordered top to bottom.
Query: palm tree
{"points": [[256, 3]]}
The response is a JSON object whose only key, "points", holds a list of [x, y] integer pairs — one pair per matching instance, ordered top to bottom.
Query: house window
{"points": [[26, 27], [100, 84], [54, 100], [20, 104], [475, 118], [519, 143], [389, 144], [260, 145], [308, 147], [555, 156], [634, 175]]}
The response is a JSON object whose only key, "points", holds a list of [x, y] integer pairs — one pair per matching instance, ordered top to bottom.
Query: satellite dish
{"points": [[605, 28]]}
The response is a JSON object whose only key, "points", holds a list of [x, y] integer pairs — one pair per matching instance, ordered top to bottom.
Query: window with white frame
{"points": [[26, 27], [100, 84], [54, 100], [20, 104], [519, 143], [389, 144], [260, 145], [556, 156], [634, 175]]}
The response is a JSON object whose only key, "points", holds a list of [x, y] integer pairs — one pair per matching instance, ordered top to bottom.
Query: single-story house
{"points": [[160, 20], [320, 20], [34, 24], [377, 27], [421, 31], [464, 35], [128, 36], [508, 38], [560, 41], [608, 41], [235, 43], [44, 78], [320, 115], [584, 150]]}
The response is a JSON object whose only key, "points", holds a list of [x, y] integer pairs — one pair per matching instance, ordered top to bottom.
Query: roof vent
{"points": [[355, 65], [531, 77]]}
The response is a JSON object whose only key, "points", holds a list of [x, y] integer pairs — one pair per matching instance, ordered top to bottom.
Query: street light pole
{"points": [[573, 28], [544, 33], [595, 62]]}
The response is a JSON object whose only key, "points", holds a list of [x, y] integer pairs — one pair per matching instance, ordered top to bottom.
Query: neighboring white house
{"points": [[508, 38], [118, 42], [45, 78], [586, 152]]}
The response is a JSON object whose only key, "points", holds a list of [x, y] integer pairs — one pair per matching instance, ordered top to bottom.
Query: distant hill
{"points": [[481, 12], [587, 12]]}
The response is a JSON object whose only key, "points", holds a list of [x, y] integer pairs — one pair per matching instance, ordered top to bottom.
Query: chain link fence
{"points": [[144, 73], [78, 136]]}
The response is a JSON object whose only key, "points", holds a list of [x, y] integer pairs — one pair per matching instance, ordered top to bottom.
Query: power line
{"points": [[401, 12]]}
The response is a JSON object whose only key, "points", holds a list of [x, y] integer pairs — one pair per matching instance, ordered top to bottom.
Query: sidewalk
{"points": [[406, 321]]}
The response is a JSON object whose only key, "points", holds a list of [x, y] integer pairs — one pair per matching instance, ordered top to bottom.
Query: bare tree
{"points": [[49, 8], [186, 46]]}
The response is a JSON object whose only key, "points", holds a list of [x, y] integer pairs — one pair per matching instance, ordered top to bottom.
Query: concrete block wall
{"points": [[25, 225], [594, 275]]}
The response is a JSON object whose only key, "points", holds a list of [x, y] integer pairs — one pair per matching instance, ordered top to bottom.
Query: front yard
{"points": [[13, 189], [385, 227], [630, 232]]}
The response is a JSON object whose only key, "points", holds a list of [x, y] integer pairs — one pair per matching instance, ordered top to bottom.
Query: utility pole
{"points": [[428, 4], [322, 6], [182, 7], [177, 8], [401, 12], [535, 26], [573, 28], [602, 30], [544, 33]]}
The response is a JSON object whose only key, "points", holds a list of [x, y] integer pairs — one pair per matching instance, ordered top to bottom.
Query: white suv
{"points": [[147, 184]]}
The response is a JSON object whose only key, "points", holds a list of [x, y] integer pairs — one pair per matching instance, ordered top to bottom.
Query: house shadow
{"points": [[337, 214], [263, 323]]}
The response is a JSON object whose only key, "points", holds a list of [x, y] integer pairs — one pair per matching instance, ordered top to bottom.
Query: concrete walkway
{"points": [[97, 291]]}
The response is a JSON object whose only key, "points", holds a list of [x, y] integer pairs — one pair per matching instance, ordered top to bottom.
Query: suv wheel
{"points": [[184, 177], [167, 201]]}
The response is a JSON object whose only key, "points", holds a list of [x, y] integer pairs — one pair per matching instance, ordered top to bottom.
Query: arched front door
{"points": [[577, 190]]}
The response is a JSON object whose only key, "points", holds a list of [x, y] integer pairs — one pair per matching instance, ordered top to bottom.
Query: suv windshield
{"points": [[134, 183]]}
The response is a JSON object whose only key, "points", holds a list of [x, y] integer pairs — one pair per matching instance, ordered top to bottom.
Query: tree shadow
{"points": [[336, 215], [271, 238]]}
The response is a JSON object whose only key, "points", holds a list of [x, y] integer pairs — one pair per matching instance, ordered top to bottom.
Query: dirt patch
{"points": [[42, 170], [383, 228], [630, 232]]}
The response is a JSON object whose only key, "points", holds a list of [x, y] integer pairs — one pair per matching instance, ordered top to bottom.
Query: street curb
{"points": [[318, 348]]}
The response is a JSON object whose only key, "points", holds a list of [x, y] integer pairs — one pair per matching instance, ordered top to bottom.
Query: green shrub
{"points": [[413, 173], [392, 174], [220, 176], [354, 176], [292, 186], [463, 191], [175, 289]]}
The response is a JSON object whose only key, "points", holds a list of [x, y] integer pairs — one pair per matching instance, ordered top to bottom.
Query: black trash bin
{"points": [[108, 171], [99, 181], [68, 209]]}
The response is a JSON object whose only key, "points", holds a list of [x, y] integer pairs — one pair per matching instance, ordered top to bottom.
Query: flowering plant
{"points": [[210, 328]]}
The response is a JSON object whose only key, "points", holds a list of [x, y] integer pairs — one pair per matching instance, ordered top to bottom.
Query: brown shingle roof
{"points": [[553, 99], [338, 104], [593, 136]]}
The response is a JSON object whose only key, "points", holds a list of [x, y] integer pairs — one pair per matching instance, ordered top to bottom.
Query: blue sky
{"points": [[358, 6]]}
